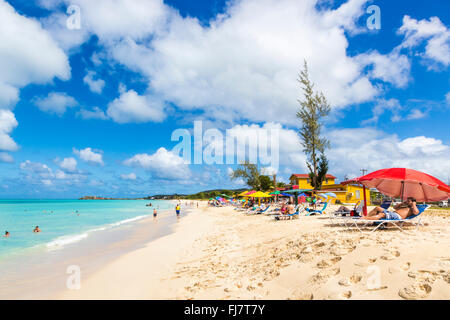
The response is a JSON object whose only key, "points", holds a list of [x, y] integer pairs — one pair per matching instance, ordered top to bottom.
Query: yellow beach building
{"points": [[349, 193]]}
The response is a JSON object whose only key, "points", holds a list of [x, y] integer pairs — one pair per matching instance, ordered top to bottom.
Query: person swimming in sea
{"points": [[37, 230], [6, 234]]}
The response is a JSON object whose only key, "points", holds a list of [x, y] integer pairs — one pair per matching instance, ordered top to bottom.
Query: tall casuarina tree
{"points": [[313, 108]]}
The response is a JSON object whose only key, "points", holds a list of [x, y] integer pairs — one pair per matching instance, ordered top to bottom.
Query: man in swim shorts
{"points": [[177, 210], [401, 211], [155, 213]]}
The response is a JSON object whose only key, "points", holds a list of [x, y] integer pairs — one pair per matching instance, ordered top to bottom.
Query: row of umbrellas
{"points": [[393, 182]]}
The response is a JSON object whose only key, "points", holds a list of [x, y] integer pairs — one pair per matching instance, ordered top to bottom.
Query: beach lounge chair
{"points": [[386, 204], [252, 209], [357, 210], [259, 211], [277, 211], [321, 211], [290, 216], [361, 224]]}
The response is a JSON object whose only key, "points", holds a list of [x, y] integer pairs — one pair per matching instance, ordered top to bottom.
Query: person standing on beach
{"points": [[177, 210], [155, 213]]}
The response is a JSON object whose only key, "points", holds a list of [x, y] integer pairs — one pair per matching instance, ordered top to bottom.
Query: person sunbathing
{"points": [[283, 208], [291, 209], [343, 210], [401, 211]]}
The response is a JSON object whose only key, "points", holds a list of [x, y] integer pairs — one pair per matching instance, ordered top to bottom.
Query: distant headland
{"points": [[204, 195]]}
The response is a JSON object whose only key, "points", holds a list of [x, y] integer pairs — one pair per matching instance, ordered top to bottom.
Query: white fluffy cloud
{"points": [[433, 32], [69, 40], [28, 55], [248, 60], [245, 61], [393, 67], [95, 85], [55, 102], [382, 105], [132, 107], [95, 113], [416, 114], [7, 124], [289, 144], [363, 148], [89, 155], [163, 164], [68, 165], [42, 170], [39, 173]]}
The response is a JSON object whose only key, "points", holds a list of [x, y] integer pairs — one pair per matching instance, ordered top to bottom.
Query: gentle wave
{"points": [[65, 240], [60, 242]]}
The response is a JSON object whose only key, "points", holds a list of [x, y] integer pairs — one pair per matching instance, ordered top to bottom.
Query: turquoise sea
{"points": [[65, 222]]}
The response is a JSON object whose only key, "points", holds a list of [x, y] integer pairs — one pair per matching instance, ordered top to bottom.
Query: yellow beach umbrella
{"points": [[242, 194], [260, 195]]}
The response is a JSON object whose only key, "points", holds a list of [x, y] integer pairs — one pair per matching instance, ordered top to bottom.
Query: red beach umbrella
{"points": [[402, 183]]}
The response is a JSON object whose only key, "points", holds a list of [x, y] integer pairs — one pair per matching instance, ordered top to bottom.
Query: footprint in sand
{"points": [[319, 245], [307, 250], [342, 251], [391, 255], [328, 263], [361, 264], [406, 266], [324, 275], [444, 275], [423, 276], [354, 279], [344, 282], [415, 291], [298, 295], [346, 295], [340, 296]]}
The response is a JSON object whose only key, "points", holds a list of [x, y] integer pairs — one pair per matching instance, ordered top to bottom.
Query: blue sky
{"points": [[91, 110]]}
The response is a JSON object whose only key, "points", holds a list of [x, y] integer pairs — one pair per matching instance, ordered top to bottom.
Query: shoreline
{"points": [[41, 272], [137, 274]]}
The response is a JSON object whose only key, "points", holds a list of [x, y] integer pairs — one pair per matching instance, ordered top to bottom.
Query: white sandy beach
{"points": [[218, 253]]}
